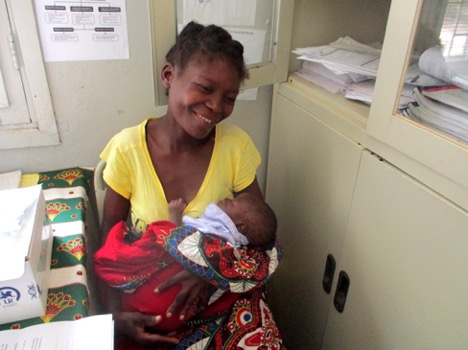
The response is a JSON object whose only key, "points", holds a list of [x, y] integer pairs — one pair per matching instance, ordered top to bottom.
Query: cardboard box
{"points": [[25, 253]]}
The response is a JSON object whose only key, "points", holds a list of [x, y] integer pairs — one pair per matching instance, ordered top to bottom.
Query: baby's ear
{"points": [[241, 227]]}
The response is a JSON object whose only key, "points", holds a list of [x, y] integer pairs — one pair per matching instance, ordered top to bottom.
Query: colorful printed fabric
{"points": [[238, 318], [249, 323]]}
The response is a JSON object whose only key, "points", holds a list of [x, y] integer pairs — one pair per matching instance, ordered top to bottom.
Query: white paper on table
{"points": [[220, 12], [79, 31], [10, 180], [93, 332]]}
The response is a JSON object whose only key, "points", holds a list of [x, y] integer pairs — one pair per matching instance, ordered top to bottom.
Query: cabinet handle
{"points": [[328, 274], [341, 291]]}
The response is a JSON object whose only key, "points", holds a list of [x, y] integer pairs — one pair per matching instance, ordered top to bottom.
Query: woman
{"points": [[185, 154]]}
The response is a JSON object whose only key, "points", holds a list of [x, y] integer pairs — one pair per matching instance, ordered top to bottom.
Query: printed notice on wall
{"points": [[220, 12], [82, 30]]}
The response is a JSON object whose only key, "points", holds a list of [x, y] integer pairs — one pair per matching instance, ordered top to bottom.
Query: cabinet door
{"points": [[422, 142], [311, 176], [405, 255]]}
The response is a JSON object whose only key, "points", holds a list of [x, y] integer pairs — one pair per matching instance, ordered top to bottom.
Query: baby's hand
{"points": [[177, 205], [176, 209]]}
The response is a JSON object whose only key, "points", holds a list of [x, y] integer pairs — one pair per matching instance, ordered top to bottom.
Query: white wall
{"points": [[95, 99]]}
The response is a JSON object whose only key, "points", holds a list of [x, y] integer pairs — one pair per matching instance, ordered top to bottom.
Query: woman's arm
{"points": [[253, 188], [116, 209], [133, 324]]}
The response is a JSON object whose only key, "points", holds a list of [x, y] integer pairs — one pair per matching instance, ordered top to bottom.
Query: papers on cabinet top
{"points": [[344, 56], [349, 67], [435, 92]]}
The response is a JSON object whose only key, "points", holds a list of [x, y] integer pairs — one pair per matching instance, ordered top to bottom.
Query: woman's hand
{"points": [[195, 291], [135, 325]]}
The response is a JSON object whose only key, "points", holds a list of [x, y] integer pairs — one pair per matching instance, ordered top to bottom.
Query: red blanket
{"points": [[239, 319]]}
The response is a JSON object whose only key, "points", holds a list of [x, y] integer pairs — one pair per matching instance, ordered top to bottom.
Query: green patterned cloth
{"points": [[66, 194]]}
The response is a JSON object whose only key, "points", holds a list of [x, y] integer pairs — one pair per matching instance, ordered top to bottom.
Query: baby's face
{"points": [[238, 207]]}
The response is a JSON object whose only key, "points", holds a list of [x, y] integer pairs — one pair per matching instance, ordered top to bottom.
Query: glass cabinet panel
{"points": [[250, 22], [262, 26], [425, 53], [438, 70]]}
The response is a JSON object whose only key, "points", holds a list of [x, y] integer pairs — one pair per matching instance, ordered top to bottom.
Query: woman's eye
{"points": [[206, 88], [231, 99]]}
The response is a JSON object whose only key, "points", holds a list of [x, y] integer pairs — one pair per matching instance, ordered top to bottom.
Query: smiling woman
{"points": [[189, 154]]}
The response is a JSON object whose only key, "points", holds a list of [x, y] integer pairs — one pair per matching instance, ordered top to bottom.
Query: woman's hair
{"points": [[207, 42]]}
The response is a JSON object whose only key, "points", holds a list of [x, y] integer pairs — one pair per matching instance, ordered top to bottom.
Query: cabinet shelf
{"points": [[346, 116]]}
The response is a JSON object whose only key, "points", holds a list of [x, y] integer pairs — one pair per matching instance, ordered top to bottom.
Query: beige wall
{"points": [[95, 99]]}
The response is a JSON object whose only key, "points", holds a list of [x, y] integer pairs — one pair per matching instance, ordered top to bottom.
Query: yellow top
{"points": [[130, 172]]}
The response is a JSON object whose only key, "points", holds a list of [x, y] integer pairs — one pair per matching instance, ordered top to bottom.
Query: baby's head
{"points": [[207, 43], [253, 218]]}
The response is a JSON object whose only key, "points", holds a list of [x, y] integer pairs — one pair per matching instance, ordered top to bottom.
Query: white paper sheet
{"points": [[220, 12], [79, 31], [433, 63], [10, 180], [94, 332]]}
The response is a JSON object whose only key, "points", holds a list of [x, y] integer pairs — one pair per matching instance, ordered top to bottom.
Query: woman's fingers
{"points": [[177, 278], [193, 295], [185, 297], [135, 325]]}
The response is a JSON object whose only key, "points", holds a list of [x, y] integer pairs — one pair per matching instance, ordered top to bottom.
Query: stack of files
{"points": [[344, 56], [433, 63], [348, 67], [326, 78], [364, 91], [450, 95], [440, 116]]}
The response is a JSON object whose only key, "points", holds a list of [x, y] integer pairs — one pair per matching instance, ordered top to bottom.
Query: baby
{"points": [[243, 220], [138, 265]]}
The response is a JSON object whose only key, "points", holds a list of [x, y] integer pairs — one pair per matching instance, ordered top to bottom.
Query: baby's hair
{"points": [[207, 42], [265, 232]]}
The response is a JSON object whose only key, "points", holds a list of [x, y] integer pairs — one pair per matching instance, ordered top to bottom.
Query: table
{"points": [[67, 193]]}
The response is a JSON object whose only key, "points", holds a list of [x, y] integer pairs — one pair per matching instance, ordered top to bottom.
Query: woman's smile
{"points": [[205, 119]]}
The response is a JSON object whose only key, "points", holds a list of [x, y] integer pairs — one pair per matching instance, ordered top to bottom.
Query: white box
{"points": [[25, 254]]}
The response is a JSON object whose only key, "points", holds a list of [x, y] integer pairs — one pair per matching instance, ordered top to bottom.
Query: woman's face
{"points": [[202, 95]]}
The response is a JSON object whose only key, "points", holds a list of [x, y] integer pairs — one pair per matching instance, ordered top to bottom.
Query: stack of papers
{"points": [[344, 56], [433, 63], [348, 67], [364, 91], [449, 95], [444, 106], [438, 115]]}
